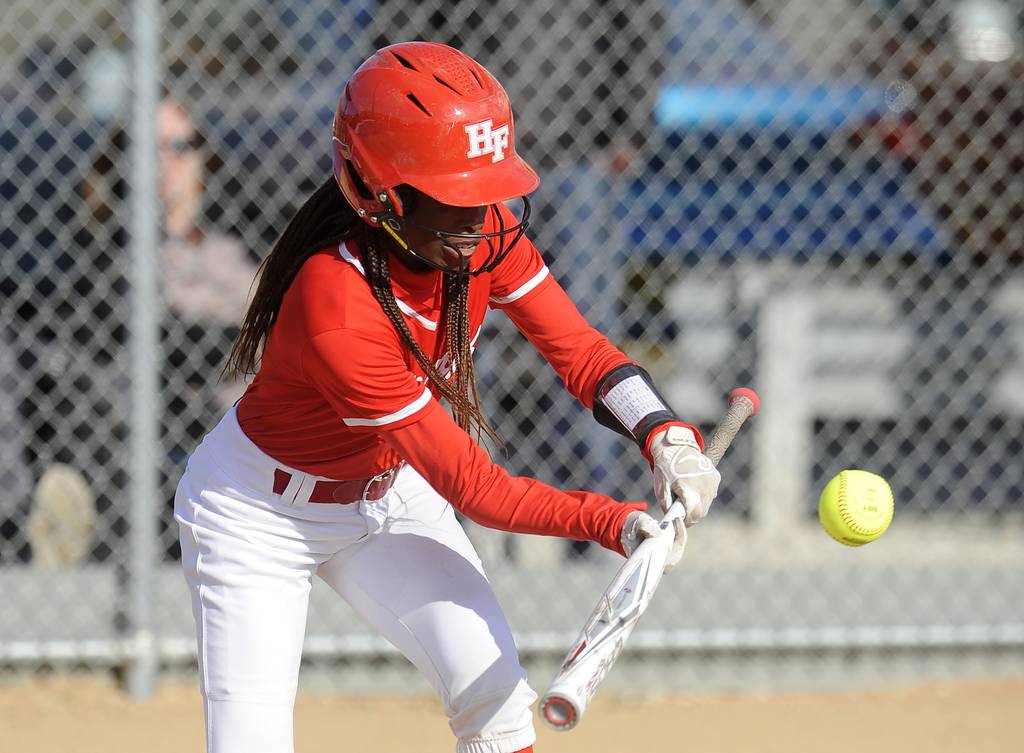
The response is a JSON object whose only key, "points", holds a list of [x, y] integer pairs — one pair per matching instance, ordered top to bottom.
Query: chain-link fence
{"points": [[821, 198]]}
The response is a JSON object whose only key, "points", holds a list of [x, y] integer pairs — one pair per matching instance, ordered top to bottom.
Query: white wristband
{"points": [[631, 400]]}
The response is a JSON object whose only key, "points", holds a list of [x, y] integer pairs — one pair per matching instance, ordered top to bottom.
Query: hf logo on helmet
{"points": [[483, 139]]}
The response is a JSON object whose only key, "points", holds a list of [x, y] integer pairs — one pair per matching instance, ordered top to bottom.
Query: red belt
{"points": [[342, 492]]}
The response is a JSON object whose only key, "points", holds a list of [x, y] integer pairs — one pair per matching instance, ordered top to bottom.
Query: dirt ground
{"points": [[89, 716]]}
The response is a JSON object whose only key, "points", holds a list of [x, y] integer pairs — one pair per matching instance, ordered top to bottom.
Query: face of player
{"points": [[426, 215]]}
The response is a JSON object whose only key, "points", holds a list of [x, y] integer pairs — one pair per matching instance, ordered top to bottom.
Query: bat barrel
{"points": [[559, 712]]}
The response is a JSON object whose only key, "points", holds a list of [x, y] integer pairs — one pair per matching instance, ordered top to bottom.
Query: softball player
{"points": [[340, 461]]}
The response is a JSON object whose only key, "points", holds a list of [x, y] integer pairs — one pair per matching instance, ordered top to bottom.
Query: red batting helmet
{"points": [[426, 115]]}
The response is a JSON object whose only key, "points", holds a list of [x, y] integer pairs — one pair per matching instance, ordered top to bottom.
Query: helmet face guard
{"points": [[428, 116], [499, 242]]}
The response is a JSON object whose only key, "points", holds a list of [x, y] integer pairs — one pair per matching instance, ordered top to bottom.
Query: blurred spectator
{"points": [[205, 276]]}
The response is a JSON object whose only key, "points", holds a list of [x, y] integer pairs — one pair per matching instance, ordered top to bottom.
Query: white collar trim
{"points": [[405, 308]]}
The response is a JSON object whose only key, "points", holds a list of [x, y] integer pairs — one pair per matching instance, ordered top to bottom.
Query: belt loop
{"points": [[300, 486]]}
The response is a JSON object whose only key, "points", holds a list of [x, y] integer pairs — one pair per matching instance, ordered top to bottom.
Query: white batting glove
{"points": [[680, 468], [639, 526]]}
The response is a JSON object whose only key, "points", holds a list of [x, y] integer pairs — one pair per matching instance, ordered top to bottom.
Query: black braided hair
{"points": [[461, 392]]}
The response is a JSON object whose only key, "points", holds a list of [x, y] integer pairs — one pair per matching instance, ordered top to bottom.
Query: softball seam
{"points": [[848, 517]]}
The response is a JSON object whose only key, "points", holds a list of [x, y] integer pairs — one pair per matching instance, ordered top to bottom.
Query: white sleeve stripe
{"points": [[523, 289], [409, 311], [390, 418]]}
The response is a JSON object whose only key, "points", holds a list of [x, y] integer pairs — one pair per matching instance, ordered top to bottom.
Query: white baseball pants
{"points": [[402, 562]]}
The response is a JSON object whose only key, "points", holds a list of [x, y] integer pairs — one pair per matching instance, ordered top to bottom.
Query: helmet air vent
{"points": [[404, 62], [444, 83], [412, 98]]}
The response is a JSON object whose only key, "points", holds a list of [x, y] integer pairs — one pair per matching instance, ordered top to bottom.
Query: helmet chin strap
{"points": [[404, 245]]}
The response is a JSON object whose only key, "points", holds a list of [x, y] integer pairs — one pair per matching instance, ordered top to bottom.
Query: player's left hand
{"points": [[681, 469], [639, 526]]}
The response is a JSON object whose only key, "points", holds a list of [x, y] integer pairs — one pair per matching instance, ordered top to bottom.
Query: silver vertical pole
{"points": [[145, 314], [783, 433]]}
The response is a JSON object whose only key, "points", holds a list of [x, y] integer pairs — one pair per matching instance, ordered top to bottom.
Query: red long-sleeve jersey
{"points": [[338, 393]]}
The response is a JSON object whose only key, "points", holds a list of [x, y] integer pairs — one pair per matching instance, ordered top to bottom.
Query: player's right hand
{"points": [[681, 469], [639, 526]]}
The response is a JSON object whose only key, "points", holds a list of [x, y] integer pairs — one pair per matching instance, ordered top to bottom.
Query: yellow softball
{"points": [[855, 507]]}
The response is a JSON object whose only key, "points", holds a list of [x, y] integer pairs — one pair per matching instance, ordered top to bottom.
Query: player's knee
{"points": [[498, 721]]}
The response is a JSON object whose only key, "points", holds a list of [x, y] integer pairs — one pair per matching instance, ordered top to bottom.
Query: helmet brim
{"points": [[490, 184]]}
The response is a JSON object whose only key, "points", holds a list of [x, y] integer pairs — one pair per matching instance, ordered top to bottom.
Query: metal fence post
{"points": [[783, 432], [144, 483]]}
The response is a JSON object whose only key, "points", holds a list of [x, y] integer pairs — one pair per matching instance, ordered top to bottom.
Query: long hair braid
{"points": [[461, 393]]}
